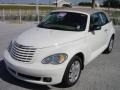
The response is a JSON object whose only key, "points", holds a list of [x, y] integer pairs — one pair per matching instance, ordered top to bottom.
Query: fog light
{"points": [[47, 79]]}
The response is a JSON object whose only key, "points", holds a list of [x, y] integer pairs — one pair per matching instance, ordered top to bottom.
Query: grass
{"points": [[26, 7], [27, 10], [113, 13], [116, 14]]}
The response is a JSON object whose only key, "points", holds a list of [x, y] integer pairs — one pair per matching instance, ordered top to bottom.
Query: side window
{"points": [[104, 18], [95, 19]]}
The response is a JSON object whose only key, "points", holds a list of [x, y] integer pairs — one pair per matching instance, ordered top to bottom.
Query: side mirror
{"points": [[95, 27]]}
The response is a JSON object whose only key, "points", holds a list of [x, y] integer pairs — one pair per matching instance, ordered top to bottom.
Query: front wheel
{"points": [[110, 46], [72, 72]]}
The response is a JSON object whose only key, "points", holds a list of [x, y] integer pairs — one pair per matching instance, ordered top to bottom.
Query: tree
{"points": [[56, 3], [93, 3], [111, 3], [85, 4]]}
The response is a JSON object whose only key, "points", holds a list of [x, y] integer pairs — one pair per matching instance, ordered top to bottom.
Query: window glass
{"points": [[104, 18], [95, 19], [68, 21]]}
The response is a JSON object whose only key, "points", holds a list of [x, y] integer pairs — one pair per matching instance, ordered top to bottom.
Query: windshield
{"points": [[66, 21]]}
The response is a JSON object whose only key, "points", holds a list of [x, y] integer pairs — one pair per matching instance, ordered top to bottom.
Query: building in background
{"points": [[62, 3]]}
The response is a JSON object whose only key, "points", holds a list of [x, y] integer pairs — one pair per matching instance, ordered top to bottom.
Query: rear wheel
{"points": [[110, 46], [72, 72]]}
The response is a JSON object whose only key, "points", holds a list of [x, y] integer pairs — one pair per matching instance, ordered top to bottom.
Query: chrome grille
{"points": [[22, 53]]}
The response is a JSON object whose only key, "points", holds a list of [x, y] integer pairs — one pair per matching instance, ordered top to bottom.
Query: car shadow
{"points": [[5, 76]]}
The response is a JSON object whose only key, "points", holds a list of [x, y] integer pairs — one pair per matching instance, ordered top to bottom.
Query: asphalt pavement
{"points": [[103, 73]]}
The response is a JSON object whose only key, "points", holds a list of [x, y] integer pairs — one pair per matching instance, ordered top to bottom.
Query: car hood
{"points": [[42, 38]]}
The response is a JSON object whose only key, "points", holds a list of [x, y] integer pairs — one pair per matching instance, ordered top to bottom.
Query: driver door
{"points": [[96, 36]]}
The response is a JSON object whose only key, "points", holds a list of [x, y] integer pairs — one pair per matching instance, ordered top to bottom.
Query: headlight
{"points": [[55, 59]]}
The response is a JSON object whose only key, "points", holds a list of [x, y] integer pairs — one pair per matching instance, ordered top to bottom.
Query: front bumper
{"points": [[34, 73]]}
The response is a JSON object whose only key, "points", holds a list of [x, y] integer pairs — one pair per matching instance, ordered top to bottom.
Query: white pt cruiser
{"points": [[60, 46]]}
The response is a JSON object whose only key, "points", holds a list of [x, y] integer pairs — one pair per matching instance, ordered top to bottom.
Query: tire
{"points": [[110, 46], [72, 72]]}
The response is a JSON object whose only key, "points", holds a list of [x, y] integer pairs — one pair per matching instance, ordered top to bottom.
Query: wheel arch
{"points": [[113, 36], [81, 55]]}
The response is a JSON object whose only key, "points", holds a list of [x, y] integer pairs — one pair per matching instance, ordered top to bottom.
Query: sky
{"points": [[44, 1]]}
